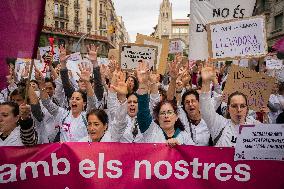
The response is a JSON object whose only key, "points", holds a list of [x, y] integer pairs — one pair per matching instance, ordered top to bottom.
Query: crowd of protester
{"points": [[182, 107]]}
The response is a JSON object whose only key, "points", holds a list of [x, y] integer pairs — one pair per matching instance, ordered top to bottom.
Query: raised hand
{"points": [[93, 53], [62, 55], [113, 65], [173, 69], [85, 72], [143, 72], [208, 74], [38, 75], [154, 78], [120, 86], [24, 111]]}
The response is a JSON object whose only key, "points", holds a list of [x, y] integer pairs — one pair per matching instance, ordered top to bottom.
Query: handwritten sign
{"points": [[204, 12], [237, 38], [176, 46], [163, 50], [43, 51], [131, 53], [75, 57], [273, 63], [257, 87], [261, 142]]}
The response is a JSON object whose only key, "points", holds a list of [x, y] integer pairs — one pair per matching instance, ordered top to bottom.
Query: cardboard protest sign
{"points": [[205, 12], [237, 38], [175, 46], [163, 49], [43, 51], [113, 53], [131, 53], [21, 63], [273, 63], [256, 86], [260, 142]]}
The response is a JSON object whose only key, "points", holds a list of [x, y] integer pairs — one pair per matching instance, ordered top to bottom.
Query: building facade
{"points": [[273, 11], [92, 21], [170, 28]]}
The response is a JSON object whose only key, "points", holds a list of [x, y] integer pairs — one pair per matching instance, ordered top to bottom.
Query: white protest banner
{"points": [[203, 12], [237, 38], [175, 46], [163, 50], [43, 51], [131, 53], [75, 57], [103, 61], [22, 63], [273, 63], [257, 87], [260, 142]]}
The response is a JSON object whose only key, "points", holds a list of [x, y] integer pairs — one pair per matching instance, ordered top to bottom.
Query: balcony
{"points": [[63, 1], [76, 5], [89, 10], [102, 13], [61, 17], [76, 21], [89, 23], [102, 26]]}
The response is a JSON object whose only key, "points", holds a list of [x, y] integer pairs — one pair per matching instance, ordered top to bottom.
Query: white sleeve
{"points": [[154, 99], [112, 104], [214, 121], [120, 123]]}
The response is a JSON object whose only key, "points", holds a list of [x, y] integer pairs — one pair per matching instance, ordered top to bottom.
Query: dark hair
{"points": [[49, 80], [35, 81], [136, 84], [281, 87], [19, 91], [189, 92], [237, 93], [83, 94], [129, 94], [13, 105], [156, 111], [101, 114]]}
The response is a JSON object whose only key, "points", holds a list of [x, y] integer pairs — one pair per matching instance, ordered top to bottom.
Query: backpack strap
{"points": [[218, 137]]}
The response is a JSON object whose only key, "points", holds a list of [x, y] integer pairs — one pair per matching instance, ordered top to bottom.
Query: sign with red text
{"points": [[237, 38], [256, 86], [119, 166]]}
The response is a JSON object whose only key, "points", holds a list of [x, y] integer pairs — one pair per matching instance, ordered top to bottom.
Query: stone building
{"points": [[273, 10], [92, 21], [170, 28]]}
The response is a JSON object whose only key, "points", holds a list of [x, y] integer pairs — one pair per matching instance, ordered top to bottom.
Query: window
{"points": [[88, 3], [101, 8], [56, 9], [61, 11], [77, 15], [88, 16], [278, 22], [56, 24], [61, 25], [76, 28], [89, 30]]}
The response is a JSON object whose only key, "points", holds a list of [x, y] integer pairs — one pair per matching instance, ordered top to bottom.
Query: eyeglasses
{"points": [[236, 106], [169, 113]]}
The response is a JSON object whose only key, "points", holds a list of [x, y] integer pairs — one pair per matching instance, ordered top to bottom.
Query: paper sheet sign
{"points": [[237, 38], [175, 46], [43, 51], [131, 53], [21, 63], [273, 63], [257, 87], [260, 142]]}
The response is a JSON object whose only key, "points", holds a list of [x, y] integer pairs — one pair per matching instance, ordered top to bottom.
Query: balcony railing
{"points": [[63, 1], [76, 5], [89, 10], [102, 13], [61, 16], [76, 21], [89, 23], [102, 26]]}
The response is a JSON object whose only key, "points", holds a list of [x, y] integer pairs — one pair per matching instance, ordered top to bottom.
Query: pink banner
{"points": [[114, 165]]}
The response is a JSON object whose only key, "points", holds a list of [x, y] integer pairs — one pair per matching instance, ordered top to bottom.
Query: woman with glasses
{"points": [[165, 126], [223, 130]]}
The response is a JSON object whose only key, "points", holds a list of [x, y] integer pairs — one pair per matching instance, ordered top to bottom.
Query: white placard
{"points": [[207, 11], [238, 38], [160, 46], [175, 47], [43, 51], [130, 54], [75, 57], [21, 63], [273, 63], [73, 66], [260, 142]]}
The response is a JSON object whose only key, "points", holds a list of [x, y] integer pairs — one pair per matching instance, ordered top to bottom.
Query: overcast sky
{"points": [[140, 16]]}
